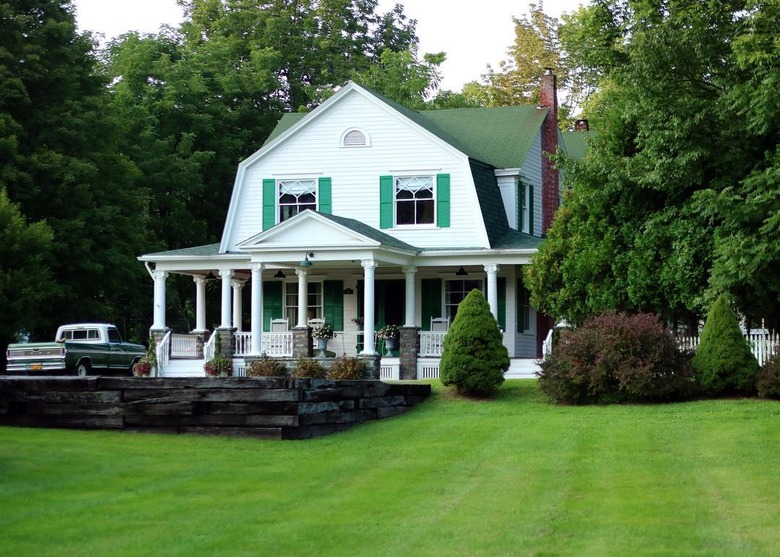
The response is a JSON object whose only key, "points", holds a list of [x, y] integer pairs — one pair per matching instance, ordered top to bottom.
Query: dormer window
{"points": [[355, 138]]}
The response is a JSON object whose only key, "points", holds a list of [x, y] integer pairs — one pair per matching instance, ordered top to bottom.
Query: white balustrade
{"points": [[431, 343]]}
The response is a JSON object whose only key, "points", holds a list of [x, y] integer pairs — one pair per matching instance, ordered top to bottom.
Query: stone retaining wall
{"points": [[266, 407]]}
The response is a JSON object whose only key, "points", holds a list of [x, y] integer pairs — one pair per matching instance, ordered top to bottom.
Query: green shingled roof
{"points": [[500, 136], [197, 251]]}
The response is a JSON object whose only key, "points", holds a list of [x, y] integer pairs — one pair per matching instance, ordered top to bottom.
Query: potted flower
{"points": [[322, 333], [389, 333], [146, 365], [218, 365], [142, 368]]}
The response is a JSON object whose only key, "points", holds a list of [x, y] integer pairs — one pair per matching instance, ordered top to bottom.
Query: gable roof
{"points": [[499, 136]]}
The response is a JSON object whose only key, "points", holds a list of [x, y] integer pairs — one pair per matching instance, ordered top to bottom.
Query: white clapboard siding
{"points": [[397, 148]]}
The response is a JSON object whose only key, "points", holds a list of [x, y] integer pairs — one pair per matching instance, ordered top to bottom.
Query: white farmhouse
{"points": [[363, 213]]}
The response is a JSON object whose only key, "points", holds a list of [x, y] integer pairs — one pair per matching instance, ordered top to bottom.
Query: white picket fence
{"points": [[763, 345]]}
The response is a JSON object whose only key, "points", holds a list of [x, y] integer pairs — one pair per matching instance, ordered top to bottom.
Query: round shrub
{"points": [[474, 357], [617, 358], [724, 362], [265, 366], [308, 368], [346, 368], [768, 382]]}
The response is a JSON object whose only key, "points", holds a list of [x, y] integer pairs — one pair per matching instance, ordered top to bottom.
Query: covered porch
{"points": [[313, 269]]}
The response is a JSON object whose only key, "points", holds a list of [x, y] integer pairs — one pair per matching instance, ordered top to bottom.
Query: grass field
{"points": [[511, 476]]}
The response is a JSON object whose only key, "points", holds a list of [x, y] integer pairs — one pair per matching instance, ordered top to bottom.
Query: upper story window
{"points": [[355, 138], [296, 196], [414, 200]]}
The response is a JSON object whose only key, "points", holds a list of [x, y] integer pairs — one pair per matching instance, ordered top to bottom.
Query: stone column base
{"points": [[410, 348]]}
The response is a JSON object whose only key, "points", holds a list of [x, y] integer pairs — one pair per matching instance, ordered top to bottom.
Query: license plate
{"points": [[36, 367]]}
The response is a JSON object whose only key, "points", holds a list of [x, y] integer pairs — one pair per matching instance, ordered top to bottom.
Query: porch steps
{"points": [[183, 367], [522, 368]]}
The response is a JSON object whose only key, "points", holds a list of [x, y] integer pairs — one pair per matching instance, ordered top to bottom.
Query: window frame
{"points": [[280, 183], [432, 200], [290, 294]]}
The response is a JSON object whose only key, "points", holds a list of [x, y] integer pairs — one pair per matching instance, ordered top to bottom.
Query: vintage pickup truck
{"points": [[79, 349]]}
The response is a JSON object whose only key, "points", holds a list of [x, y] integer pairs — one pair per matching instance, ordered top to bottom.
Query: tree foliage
{"points": [[540, 42], [62, 162], [677, 198], [25, 280], [474, 357]]}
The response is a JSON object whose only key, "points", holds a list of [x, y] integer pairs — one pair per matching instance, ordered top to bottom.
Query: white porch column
{"points": [[369, 270], [409, 273], [227, 275], [238, 286], [492, 288], [303, 297], [159, 300], [200, 304], [257, 308]]}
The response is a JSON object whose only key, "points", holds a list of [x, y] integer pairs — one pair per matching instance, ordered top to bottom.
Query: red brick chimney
{"points": [[548, 98]]}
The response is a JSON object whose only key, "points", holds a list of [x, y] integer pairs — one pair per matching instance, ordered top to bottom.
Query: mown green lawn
{"points": [[512, 476]]}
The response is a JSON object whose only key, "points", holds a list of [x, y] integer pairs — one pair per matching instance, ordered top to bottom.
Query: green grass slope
{"points": [[511, 476]]}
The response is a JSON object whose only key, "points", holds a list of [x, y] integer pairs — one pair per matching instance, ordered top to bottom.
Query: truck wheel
{"points": [[82, 369]]}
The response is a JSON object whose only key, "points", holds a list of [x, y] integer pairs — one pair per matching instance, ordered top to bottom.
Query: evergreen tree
{"points": [[61, 161], [474, 357], [723, 360]]}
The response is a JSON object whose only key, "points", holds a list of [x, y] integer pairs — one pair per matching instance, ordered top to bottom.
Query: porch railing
{"points": [[431, 343], [278, 345], [185, 346], [210, 348], [163, 353]]}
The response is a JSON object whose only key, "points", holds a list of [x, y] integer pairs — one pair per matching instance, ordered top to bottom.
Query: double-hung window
{"points": [[296, 196], [414, 200], [454, 293], [313, 301]]}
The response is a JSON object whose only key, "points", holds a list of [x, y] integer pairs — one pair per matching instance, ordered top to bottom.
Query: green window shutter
{"points": [[520, 194], [323, 197], [386, 200], [443, 200], [269, 203], [531, 210], [430, 291], [501, 291], [521, 294], [272, 303], [333, 303]]}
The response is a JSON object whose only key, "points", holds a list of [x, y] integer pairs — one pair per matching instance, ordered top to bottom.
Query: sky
{"points": [[472, 37]]}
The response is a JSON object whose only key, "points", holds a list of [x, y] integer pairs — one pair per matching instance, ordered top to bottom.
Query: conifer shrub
{"points": [[474, 357], [615, 358], [724, 363], [266, 366], [308, 368], [346, 368], [768, 382]]}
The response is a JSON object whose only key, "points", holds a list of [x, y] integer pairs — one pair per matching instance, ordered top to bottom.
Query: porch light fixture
{"points": [[306, 262], [461, 272], [280, 274], [210, 276], [348, 291]]}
